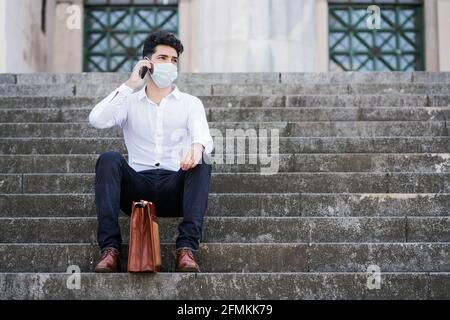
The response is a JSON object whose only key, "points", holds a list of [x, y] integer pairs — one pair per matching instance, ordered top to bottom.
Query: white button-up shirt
{"points": [[155, 135]]}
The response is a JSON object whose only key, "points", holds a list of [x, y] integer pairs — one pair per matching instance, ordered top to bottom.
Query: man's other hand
{"points": [[191, 156]]}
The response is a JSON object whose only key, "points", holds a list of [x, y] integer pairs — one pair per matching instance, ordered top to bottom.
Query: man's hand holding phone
{"points": [[141, 68]]}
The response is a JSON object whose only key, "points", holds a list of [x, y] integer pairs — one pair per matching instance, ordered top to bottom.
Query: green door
{"points": [[115, 30], [396, 46]]}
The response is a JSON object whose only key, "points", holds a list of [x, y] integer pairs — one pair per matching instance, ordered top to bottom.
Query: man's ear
{"points": [[147, 58]]}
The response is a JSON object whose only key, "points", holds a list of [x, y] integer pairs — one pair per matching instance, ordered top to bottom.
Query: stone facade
{"points": [[219, 35]]}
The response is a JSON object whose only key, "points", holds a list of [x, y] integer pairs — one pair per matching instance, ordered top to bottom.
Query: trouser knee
{"points": [[109, 159]]}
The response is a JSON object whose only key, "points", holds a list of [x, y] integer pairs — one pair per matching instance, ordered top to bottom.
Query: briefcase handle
{"points": [[140, 204], [146, 204]]}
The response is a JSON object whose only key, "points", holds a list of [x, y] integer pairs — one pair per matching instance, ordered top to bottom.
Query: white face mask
{"points": [[164, 74]]}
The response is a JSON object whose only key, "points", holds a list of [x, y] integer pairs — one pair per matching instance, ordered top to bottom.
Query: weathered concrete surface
{"points": [[118, 77], [347, 77], [7, 78], [253, 78], [279, 89], [290, 89], [12, 90], [15, 96], [47, 102], [80, 114], [327, 114], [285, 129], [286, 145], [351, 162], [363, 180], [316, 182], [11, 183], [253, 204], [235, 229], [243, 229], [428, 229], [245, 257], [230, 286]]}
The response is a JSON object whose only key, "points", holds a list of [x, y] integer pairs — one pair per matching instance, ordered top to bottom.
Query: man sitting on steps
{"points": [[168, 141]]}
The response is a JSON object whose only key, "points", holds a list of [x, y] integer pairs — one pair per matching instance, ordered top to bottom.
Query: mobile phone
{"points": [[143, 72]]}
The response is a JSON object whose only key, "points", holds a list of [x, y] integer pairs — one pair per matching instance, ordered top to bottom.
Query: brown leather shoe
{"points": [[109, 261], [186, 261]]}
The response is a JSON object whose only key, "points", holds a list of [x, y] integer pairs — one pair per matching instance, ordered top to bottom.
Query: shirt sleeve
{"points": [[112, 110], [198, 125]]}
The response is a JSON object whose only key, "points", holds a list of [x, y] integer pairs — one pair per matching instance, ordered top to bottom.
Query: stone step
{"points": [[364, 77], [8, 78], [100, 78], [115, 78], [270, 89], [289, 89], [12, 90], [268, 101], [300, 101], [31, 103], [63, 114], [299, 114], [282, 129], [286, 145], [345, 162], [315, 182], [250, 205], [241, 229], [318, 236], [245, 257], [227, 286]]}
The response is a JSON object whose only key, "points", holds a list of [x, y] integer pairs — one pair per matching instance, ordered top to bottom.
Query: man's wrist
{"points": [[131, 85], [201, 146]]}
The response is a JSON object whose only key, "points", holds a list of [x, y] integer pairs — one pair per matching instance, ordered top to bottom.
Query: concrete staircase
{"points": [[364, 179]]}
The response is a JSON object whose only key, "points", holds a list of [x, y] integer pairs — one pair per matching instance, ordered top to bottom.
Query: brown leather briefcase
{"points": [[144, 252]]}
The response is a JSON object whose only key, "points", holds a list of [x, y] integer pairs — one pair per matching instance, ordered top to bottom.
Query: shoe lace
{"points": [[109, 250], [186, 251]]}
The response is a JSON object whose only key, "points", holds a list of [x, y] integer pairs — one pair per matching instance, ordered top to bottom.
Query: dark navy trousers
{"points": [[175, 194]]}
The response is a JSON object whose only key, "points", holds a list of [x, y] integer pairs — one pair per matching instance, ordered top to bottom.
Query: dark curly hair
{"points": [[161, 37]]}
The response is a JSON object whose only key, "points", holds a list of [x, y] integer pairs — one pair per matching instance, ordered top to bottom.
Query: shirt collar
{"points": [[175, 92]]}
